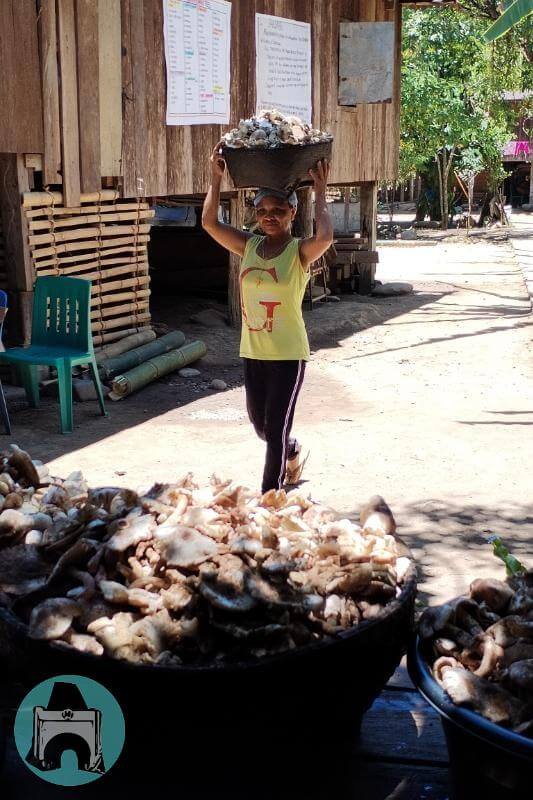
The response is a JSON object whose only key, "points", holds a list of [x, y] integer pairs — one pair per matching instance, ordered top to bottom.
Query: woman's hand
{"points": [[218, 165], [320, 175]]}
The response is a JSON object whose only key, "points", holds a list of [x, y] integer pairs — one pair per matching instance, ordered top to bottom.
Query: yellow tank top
{"points": [[272, 291]]}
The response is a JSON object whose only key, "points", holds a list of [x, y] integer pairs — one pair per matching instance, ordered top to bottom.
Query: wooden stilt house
{"points": [[84, 146]]}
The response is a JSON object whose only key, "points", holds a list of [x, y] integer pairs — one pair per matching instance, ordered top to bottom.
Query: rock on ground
{"points": [[392, 289], [189, 372]]}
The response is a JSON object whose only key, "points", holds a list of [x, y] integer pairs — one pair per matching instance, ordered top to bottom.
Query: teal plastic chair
{"points": [[61, 338]]}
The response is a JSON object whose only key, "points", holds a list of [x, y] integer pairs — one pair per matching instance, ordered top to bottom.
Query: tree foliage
{"points": [[515, 11], [522, 34], [453, 111]]}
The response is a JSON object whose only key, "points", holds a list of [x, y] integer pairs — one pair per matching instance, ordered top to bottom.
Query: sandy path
{"points": [[430, 406]]}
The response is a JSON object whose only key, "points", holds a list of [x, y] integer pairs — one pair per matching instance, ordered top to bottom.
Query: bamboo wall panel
{"points": [[21, 123], [103, 240]]}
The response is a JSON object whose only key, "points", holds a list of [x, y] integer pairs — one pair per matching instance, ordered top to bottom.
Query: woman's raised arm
{"points": [[226, 235], [312, 248]]}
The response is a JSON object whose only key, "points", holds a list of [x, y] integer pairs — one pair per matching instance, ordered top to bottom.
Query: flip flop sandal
{"points": [[294, 469]]}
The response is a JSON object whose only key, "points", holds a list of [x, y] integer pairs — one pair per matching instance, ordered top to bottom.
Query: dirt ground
{"points": [[425, 399]]}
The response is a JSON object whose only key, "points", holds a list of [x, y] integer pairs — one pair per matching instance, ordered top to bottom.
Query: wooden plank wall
{"points": [[110, 86], [20, 91], [104, 95], [366, 138]]}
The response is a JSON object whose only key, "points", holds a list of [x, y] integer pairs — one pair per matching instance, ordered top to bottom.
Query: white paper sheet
{"points": [[197, 52], [283, 65]]}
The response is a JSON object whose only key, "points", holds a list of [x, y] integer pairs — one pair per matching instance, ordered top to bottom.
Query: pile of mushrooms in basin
{"points": [[182, 575], [481, 646]]}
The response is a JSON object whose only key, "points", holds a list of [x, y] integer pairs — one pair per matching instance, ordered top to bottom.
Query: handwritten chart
{"points": [[197, 51], [283, 65]]}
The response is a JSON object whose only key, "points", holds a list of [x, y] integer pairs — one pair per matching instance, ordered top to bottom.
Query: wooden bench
{"points": [[353, 266]]}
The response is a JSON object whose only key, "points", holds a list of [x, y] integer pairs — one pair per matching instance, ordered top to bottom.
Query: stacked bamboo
{"points": [[104, 240]]}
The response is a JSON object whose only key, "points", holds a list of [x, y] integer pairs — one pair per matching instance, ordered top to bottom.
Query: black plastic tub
{"points": [[282, 168], [314, 689], [486, 760]]}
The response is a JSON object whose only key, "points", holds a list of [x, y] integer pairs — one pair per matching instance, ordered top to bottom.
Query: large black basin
{"points": [[282, 168], [312, 691], [486, 760]]}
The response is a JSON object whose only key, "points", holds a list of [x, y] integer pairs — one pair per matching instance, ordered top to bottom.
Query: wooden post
{"points": [[70, 138], [411, 189], [402, 192], [347, 193], [236, 218], [303, 221], [368, 225], [20, 273]]}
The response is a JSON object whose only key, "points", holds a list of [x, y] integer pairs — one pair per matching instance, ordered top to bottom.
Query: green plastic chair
{"points": [[61, 338]]}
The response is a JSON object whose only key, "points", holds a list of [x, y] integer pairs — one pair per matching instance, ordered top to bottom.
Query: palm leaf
{"points": [[513, 14]]}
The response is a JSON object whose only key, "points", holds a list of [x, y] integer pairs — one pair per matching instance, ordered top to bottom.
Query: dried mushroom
{"points": [[187, 575], [482, 648]]}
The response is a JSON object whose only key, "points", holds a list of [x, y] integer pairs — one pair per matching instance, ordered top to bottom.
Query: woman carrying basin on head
{"points": [[274, 272]]}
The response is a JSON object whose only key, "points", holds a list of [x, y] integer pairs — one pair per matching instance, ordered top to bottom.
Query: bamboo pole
{"points": [[31, 199], [57, 211], [71, 222], [102, 232], [73, 247], [140, 255], [98, 275], [112, 286], [99, 299], [113, 311], [109, 324], [116, 336], [125, 344], [111, 367], [154, 368]]}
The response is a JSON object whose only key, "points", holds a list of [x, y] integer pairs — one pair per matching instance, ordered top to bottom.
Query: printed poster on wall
{"points": [[197, 51], [283, 65]]}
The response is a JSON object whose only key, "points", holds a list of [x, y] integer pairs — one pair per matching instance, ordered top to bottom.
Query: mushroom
{"points": [[21, 461], [376, 517], [130, 530], [183, 547], [22, 569], [87, 588], [494, 593], [52, 618], [434, 620], [507, 630], [83, 642], [446, 647], [520, 651], [492, 655], [442, 664], [521, 674], [488, 699]]}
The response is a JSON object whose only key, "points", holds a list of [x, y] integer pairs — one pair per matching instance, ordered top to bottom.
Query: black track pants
{"points": [[272, 388]]}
